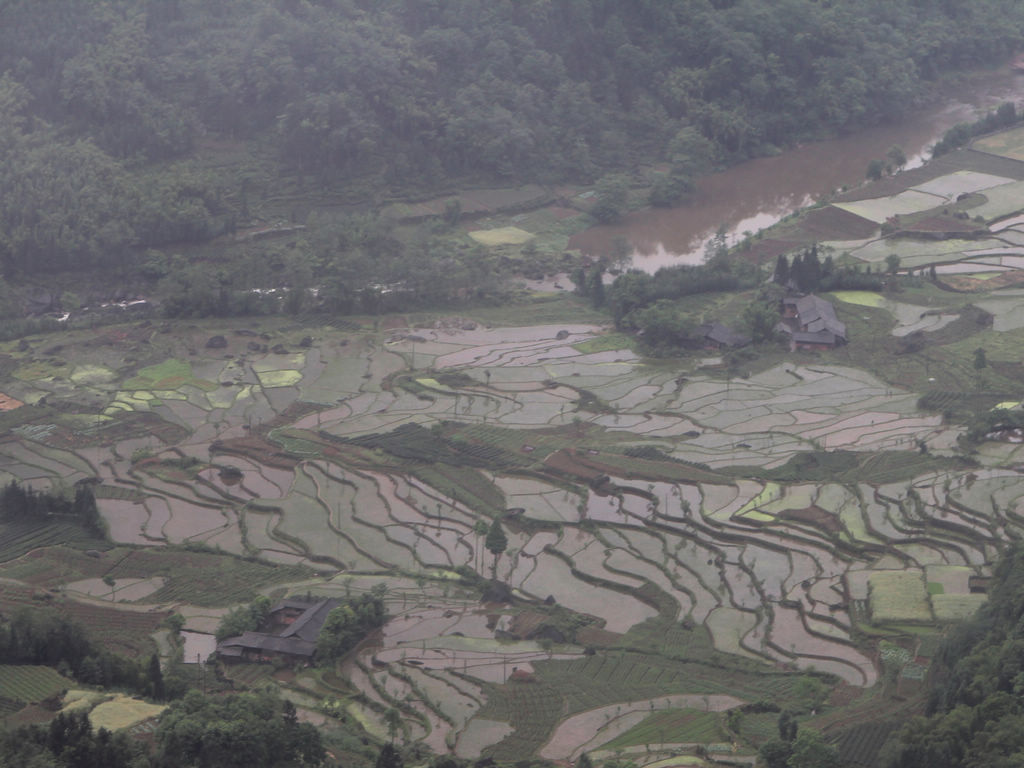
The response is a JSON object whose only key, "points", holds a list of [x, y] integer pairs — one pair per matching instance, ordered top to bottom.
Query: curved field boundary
{"points": [[590, 729]]}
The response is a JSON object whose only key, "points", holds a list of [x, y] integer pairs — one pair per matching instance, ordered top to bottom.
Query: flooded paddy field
{"points": [[645, 506], [683, 539]]}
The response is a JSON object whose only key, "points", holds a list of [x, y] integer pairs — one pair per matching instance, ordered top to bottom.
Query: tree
{"points": [[897, 157], [875, 170], [669, 189], [612, 196], [452, 212], [892, 263], [781, 274], [579, 280], [595, 286], [761, 317], [664, 326], [980, 359], [84, 507], [480, 528], [496, 543], [246, 618], [346, 625], [155, 678], [393, 720], [787, 726], [235, 731], [69, 740], [811, 751], [775, 753], [389, 757]]}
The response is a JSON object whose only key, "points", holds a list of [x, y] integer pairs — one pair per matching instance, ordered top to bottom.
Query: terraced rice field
{"points": [[645, 506]]}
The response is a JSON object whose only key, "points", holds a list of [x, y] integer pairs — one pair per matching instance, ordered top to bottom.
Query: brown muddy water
{"points": [[758, 193]]}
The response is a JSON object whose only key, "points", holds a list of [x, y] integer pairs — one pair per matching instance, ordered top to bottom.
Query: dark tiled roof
{"points": [[816, 314], [721, 334], [815, 337], [294, 603], [307, 626], [297, 639], [258, 641]]}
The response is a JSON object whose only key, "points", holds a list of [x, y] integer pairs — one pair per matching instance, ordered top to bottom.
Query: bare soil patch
{"points": [[831, 223], [258, 450], [815, 516]]}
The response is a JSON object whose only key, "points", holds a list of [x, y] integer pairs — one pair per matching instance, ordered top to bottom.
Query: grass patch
{"points": [[1005, 143], [501, 236], [862, 298], [610, 342], [37, 370], [170, 374], [287, 378], [849, 467], [466, 485], [22, 536], [204, 578], [898, 596], [956, 607], [30, 683], [568, 687], [123, 712], [674, 725]]}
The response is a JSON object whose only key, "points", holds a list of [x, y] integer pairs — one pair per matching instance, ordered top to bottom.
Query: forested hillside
{"points": [[104, 105], [980, 703]]}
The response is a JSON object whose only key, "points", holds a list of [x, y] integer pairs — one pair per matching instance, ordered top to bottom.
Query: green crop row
{"points": [[19, 537], [30, 683], [674, 725]]}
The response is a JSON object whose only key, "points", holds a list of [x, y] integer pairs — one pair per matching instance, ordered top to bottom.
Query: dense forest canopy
{"points": [[103, 104]]}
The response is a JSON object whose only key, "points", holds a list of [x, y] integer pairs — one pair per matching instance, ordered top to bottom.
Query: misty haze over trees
{"points": [[104, 104]]}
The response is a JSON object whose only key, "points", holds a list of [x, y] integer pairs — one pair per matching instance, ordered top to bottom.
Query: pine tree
{"points": [[812, 268], [781, 275], [579, 279], [595, 287], [84, 507], [496, 543], [155, 678], [787, 726]]}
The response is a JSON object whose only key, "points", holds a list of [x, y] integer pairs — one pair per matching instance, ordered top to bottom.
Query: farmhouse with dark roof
{"points": [[812, 323], [718, 336], [292, 629]]}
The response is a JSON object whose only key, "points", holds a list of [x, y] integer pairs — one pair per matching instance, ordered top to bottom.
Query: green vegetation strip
{"points": [[205, 578], [30, 684], [674, 725]]}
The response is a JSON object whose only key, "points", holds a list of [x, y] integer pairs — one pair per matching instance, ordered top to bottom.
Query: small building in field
{"points": [[812, 323], [718, 336], [817, 341], [290, 634]]}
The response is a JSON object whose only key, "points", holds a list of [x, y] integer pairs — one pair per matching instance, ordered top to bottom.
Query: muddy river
{"points": [[757, 193]]}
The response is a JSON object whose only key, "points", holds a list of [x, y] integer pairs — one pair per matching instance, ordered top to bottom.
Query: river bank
{"points": [[756, 194]]}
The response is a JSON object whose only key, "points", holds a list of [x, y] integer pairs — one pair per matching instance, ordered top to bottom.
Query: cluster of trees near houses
{"points": [[110, 112], [808, 273], [647, 304], [18, 503], [344, 627], [45, 635], [247, 730]]}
